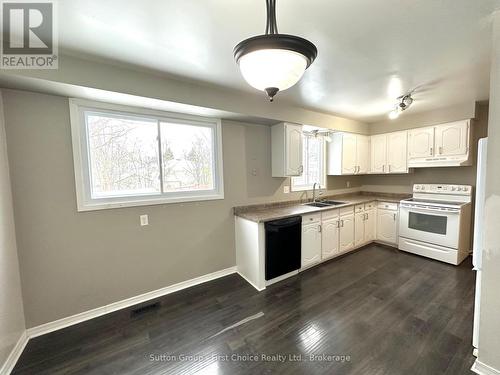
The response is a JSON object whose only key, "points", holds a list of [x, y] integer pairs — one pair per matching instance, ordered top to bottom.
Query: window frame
{"points": [[81, 156], [308, 187]]}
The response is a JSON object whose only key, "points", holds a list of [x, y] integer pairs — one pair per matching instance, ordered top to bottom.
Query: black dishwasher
{"points": [[283, 243]]}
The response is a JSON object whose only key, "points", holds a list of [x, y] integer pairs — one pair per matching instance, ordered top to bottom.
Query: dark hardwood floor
{"points": [[378, 310]]}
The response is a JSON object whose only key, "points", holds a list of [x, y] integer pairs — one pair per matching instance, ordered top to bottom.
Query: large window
{"points": [[128, 156], [313, 160]]}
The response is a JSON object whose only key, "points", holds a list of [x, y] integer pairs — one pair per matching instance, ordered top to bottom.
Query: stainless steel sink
{"points": [[324, 203], [333, 203], [318, 204]]}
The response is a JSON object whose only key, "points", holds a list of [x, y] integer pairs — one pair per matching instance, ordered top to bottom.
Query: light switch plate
{"points": [[286, 189], [144, 220]]}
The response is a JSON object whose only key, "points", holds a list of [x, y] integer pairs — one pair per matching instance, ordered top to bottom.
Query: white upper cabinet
{"points": [[451, 139], [421, 143], [445, 145], [286, 150], [397, 152], [348, 153], [388, 153], [362, 154], [378, 157], [349, 165]]}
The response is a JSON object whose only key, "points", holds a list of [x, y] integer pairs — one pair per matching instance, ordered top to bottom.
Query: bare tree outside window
{"points": [[123, 156], [191, 161]]}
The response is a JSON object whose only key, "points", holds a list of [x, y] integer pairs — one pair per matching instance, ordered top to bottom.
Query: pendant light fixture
{"points": [[274, 62]]}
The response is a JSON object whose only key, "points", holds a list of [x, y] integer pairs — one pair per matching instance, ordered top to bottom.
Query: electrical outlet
{"points": [[348, 184], [286, 189], [144, 220]]}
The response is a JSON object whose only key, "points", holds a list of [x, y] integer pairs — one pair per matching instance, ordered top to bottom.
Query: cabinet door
{"points": [[452, 139], [421, 143], [293, 149], [397, 152], [349, 153], [362, 153], [378, 153], [370, 226], [387, 226], [359, 228], [346, 232], [329, 238], [311, 244]]}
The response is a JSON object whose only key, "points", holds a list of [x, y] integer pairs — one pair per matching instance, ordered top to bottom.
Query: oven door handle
{"points": [[434, 210]]}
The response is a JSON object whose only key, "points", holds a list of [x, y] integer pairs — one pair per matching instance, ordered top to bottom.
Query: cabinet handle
{"points": [[440, 150], [432, 151], [383, 168], [389, 168], [301, 169], [394, 215], [338, 223], [342, 223], [319, 228]]}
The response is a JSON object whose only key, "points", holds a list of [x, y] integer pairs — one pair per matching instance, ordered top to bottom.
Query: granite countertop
{"points": [[280, 210]]}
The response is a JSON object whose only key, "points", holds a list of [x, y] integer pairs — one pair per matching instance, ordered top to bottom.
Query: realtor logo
{"points": [[29, 37]]}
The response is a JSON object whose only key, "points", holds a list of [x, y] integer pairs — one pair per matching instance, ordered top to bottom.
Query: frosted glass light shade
{"points": [[277, 68]]}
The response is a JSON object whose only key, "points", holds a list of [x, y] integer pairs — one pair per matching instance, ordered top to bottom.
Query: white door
{"points": [[451, 139], [421, 143], [293, 149], [397, 152], [362, 153], [378, 154], [349, 165], [370, 225], [359, 228], [346, 232], [329, 238], [311, 244]]}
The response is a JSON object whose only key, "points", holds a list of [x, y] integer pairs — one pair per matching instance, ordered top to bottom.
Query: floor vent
{"points": [[144, 309]]}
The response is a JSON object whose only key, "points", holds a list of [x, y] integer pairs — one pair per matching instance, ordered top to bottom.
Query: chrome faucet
{"points": [[314, 190]]}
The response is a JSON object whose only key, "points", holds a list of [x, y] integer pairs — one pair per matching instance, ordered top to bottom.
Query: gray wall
{"points": [[447, 175], [72, 262], [11, 305]]}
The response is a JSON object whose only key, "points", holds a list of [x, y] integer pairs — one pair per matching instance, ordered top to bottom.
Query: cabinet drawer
{"points": [[369, 205], [388, 206], [359, 208], [346, 210], [330, 214], [311, 218]]}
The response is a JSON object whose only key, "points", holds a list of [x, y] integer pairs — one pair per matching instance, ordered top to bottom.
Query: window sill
{"points": [[95, 206]]}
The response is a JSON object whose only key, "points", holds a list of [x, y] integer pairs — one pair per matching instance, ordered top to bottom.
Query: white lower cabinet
{"points": [[387, 222], [365, 224], [346, 232], [330, 237], [311, 240]]}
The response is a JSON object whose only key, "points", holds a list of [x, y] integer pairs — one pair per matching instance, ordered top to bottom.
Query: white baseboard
{"points": [[251, 283], [99, 311], [14, 355], [482, 369]]}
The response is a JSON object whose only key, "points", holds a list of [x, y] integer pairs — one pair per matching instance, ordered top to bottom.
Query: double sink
{"points": [[326, 203]]}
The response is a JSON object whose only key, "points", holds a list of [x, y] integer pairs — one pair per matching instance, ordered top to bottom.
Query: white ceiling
{"points": [[369, 51]]}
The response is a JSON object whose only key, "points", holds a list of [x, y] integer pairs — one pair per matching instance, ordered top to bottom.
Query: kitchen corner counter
{"points": [[280, 210]]}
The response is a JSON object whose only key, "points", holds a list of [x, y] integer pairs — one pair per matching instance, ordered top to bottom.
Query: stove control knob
{"points": [[417, 187], [423, 187], [453, 188], [466, 188]]}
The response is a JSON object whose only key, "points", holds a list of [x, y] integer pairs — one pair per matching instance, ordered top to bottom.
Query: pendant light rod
{"points": [[271, 26]]}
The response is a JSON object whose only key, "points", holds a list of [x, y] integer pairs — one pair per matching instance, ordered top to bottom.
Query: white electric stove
{"points": [[436, 222]]}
